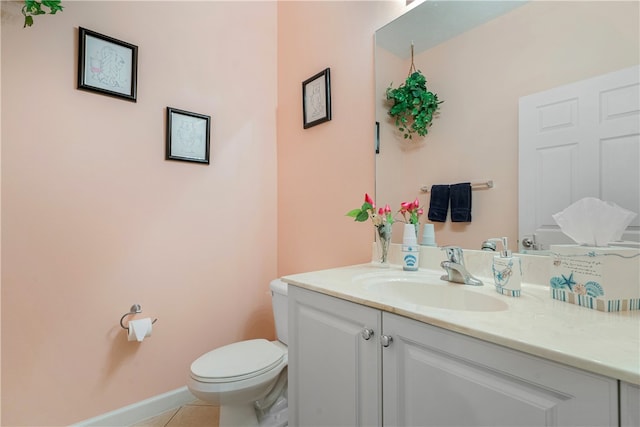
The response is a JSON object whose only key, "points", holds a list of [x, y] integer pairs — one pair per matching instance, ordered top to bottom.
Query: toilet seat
{"points": [[238, 361]]}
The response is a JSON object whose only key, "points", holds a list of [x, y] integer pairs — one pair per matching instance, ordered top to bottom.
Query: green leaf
{"points": [[53, 5], [28, 21], [353, 213], [362, 216]]}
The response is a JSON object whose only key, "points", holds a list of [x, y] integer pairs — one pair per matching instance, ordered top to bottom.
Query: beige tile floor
{"points": [[195, 414]]}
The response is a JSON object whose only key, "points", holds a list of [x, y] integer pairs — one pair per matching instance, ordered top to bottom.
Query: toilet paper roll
{"points": [[139, 329]]}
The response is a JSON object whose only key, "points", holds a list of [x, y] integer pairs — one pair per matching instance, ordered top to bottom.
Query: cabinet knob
{"points": [[367, 333], [386, 340]]}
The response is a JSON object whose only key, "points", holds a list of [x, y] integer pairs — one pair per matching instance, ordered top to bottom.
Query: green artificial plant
{"points": [[32, 8], [413, 105]]}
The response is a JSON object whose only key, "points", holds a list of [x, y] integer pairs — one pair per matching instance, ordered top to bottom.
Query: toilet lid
{"points": [[237, 361]]}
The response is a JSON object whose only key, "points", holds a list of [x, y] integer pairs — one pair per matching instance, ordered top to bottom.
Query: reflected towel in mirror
{"points": [[461, 202], [439, 203]]}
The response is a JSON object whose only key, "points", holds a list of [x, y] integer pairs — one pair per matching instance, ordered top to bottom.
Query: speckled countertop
{"points": [[598, 342]]}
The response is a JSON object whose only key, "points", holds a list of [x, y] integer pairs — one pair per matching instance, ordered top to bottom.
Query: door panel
{"points": [[575, 141]]}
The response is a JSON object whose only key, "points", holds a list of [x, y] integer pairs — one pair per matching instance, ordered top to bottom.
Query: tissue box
{"points": [[605, 279]]}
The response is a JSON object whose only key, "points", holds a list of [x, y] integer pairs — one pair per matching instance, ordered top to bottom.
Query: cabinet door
{"points": [[334, 371], [434, 377], [629, 405]]}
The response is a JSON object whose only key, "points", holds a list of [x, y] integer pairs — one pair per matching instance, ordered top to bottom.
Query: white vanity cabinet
{"points": [[334, 364], [426, 376], [436, 377], [629, 405]]}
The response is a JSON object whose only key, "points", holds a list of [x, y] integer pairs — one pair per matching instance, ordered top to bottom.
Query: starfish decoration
{"points": [[569, 281]]}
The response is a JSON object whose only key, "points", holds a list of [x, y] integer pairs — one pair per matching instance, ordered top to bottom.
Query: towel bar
{"points": [[474, 185]]}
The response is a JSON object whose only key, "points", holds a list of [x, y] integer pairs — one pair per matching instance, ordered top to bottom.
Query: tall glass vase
{"points": [[383, 241]]}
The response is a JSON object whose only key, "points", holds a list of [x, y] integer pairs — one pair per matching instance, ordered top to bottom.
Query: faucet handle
{"points": [[454, 254]]}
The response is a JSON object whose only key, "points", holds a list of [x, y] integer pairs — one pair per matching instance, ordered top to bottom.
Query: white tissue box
{"points": [[605, 279]]}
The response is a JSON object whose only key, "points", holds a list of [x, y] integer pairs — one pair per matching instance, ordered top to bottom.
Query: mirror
{"points": [[480, 57]]}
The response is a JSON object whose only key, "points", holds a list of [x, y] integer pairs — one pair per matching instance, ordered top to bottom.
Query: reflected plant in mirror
{"points": [[32, 8], [413, 106]]}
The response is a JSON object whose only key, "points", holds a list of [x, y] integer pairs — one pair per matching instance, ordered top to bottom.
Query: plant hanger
{"points": [[412, 68]]}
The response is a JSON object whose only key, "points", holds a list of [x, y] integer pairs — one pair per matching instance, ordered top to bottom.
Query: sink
{"points": [[427, 289]]}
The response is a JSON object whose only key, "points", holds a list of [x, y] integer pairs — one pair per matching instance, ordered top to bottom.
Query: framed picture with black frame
{"points": [[107, 66], [316, 99], [188, 136]]}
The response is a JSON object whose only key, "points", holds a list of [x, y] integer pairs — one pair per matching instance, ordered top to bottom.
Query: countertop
{"points": [[534, 323]]}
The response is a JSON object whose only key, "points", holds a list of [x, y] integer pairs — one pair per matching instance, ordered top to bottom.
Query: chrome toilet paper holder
{"points": [[135, 309]]}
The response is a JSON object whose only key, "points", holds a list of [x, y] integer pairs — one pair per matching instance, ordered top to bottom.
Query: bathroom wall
{"points": [[324, 171], [94, 219]]}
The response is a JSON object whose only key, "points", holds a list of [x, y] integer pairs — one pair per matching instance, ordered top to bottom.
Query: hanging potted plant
{"points": [[32, 8], [413, 106]]}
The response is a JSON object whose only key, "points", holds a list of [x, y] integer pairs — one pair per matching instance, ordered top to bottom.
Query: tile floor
{"points": [[195, 414]]}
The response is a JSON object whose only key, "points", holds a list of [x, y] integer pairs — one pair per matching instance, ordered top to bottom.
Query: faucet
{"points": [[454, 266]]}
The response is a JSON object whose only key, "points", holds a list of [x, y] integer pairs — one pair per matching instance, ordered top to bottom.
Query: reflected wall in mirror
{"points": [[480, 70]]}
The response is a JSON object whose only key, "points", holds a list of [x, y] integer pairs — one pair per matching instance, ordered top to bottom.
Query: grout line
{"points": [[172, 416]]}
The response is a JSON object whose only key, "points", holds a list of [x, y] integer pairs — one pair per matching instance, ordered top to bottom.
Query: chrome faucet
{"points": [[455, 268]]}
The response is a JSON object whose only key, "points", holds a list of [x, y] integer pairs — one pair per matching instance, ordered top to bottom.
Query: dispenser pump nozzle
{"points": [[505, 252]]}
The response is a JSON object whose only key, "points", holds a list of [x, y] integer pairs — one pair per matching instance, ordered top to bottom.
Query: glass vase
{"points": [[383, 241]]}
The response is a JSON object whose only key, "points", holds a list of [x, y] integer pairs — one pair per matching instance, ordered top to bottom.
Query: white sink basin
{"points": [[427, 289]]}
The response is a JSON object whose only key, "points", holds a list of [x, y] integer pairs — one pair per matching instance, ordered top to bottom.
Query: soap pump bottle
{"points": [[410, 249], [507, 270]]}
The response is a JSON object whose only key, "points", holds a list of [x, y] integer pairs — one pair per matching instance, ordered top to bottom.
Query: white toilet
{"points": [[246, 375]]}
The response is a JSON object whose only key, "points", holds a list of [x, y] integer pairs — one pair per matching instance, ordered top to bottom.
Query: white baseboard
{"points": [[142, 410]]}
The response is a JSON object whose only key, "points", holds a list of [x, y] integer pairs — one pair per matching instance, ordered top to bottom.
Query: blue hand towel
{"points": [[461, 202], [439, 203]]}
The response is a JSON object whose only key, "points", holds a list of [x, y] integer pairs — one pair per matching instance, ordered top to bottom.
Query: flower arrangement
{"points": [[368, 210], [411, 211], [382, 220]]}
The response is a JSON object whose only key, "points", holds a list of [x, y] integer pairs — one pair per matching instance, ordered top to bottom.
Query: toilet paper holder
{"points": [[135, 309]]}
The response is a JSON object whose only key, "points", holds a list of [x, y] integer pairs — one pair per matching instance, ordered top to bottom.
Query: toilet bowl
{"points": [[237, 377]]}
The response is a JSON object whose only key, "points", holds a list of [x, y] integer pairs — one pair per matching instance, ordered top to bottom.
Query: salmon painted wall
{"points": [[480, 75], [324, 171], [95, 220]]}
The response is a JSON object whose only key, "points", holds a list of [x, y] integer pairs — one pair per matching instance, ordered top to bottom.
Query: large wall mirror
{"points": [[481, 57]]}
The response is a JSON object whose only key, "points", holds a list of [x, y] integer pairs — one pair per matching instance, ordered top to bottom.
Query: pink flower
{"points": [[368, 199], [368, 210], [413, 210]]}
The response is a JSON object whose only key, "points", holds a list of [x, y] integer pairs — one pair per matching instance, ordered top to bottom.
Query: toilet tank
{"points": [[280, 309]]}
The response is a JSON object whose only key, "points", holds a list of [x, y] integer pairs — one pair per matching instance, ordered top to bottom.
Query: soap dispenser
{"points": [[410, 249], [507, 270]]}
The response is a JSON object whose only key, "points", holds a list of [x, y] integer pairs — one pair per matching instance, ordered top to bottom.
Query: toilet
{"points": [[248, 379]]}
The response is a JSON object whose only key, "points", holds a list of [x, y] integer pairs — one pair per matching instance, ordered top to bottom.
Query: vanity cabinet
{"points": [[334, 361], [358, 366], [629, 405]]}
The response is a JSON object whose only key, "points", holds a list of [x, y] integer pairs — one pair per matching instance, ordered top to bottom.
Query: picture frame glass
{"points": [[107, 65], [315, 100], [189, 136]]}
